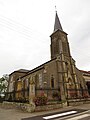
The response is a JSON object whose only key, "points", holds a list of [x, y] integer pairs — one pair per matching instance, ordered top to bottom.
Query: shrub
{"points": [[56, 95], [85, 95], [40, 100]]}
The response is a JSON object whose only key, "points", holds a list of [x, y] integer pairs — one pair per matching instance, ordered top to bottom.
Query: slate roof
{"points": [[57, 24]]}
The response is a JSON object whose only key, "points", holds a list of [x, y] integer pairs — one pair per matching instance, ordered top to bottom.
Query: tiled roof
{"points": [[23, 70], [20, 71]]}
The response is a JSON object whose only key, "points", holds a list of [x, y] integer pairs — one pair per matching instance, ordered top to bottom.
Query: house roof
{"points": [[37, 68], [23, 70], [20, 71], [85, 72]]}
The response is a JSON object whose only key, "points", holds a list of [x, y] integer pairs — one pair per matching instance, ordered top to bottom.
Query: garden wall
{"points": [[74, 102], [20, 106], [31, 107], [48, 107]]}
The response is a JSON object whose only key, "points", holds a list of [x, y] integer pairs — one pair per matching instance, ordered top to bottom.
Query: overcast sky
{"points": [[25, 27]]}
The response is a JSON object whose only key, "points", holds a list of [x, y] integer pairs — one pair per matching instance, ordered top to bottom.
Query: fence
{"points": [[77, 93]]}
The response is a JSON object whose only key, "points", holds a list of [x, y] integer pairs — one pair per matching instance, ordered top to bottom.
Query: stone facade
{"points": [[86, 75], [58, 79], [12, 85]]}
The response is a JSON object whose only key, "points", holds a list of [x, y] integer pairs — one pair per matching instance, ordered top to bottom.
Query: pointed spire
{"points": [[57, 24]]}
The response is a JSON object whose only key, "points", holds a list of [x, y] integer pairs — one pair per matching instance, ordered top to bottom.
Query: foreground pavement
{"points": [[13, 114]]}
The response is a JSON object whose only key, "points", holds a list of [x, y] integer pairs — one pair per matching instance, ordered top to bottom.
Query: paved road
{"points": [[13, 114], [72, 114], [80, 116]]}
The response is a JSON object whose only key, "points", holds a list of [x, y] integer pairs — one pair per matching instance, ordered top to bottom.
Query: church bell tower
{"points": [[59, 40], [60, 51], [69, 77]]}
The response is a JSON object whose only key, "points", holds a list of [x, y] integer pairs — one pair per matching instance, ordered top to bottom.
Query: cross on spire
{"points": [[55, 8]]}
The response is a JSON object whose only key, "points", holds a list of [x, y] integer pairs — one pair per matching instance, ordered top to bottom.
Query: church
{"points": [[58, 77]]}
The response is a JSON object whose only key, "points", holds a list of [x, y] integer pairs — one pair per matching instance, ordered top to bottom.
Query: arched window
{"points": [[52, 81]]}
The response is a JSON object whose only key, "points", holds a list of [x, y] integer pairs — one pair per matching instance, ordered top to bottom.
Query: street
{"points": [[81, 112], [74, 114], [81, 116]]}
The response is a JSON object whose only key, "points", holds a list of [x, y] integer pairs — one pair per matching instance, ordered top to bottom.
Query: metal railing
{"points": [[77, 94]]}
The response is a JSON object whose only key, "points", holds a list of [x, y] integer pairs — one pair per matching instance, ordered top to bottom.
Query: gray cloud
{"points": [[25, 28]]}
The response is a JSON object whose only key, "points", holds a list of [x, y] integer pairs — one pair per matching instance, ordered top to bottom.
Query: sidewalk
{"points": [[13, 114]]}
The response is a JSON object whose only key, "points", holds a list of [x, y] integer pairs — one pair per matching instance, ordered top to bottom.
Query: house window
{"points": [[52, 81]]}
